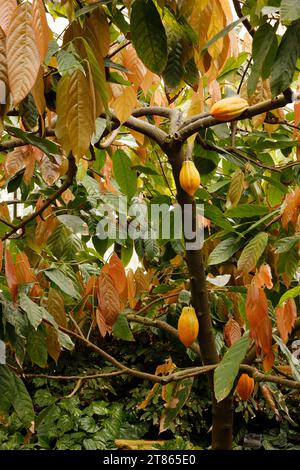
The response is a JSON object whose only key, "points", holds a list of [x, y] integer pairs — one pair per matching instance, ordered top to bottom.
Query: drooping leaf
{"points": [[7, 8], [289, 11], [41, 27], [148, 35], [23, 58], [3, 62], [284, 66], [125, 104], [125, 176], [235, 190], [75, 223], [252, 252], [24, 272], [117, 273], [10, 274], [263, 277], [62, 281], [291, 293], [108, 299], [35, 313], [286, 316], [260, 324], [121, 329], [232, 332], [36, 346], [293, 361], [227, 370], [14, 392]]}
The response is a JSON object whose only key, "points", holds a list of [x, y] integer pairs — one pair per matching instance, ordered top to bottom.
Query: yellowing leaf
{"points": [[7, 8], [216, 24], [41, 27], [96, 30], [23, 58], [136, 69], [38, 93], [125, 104], [80, 117], [61, 129], [14, 161], [50, 170], [235, 190], [252, 252], [1, 254], [10, 274], [131, 286], [56, 307]]}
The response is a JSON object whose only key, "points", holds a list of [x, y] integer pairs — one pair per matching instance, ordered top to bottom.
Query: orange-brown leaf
{"points": [[41, 27], [3, 62], [38, 93], [291, 209], [24, 273], [117, 273], [10, 274], [263, 277], [131, 286], [108, 298], [56, 307], [285, 317], [259, 322], [104, 328], [232, 332], [52, 343]]}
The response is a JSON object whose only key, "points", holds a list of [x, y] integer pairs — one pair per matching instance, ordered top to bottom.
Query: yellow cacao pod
{"points": [[229, 108], [189, 177], [188, 326], [245, 387]]}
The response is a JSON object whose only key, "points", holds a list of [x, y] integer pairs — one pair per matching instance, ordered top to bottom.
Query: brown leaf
{"points": [[7, 8], [41, 27], [96, 30], [23, 58], [38, 93], [125, 104], [15, 161], [46, 227], [23, 270], [117, 273], [10, 274], [142, 281], [131, 286], [108, 299], [56, 307], [285, 317], [259, 322], [104, 328], [232, 332], [52, 343]]}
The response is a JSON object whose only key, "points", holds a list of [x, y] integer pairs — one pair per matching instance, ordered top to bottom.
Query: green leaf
{"points": [[289, 11], [221, 34], [148, 35], [263, 51], [286, 58], [67, 62], [174, 71], [47, 146], [124, 175], [246, 210], [214, 214], [75, 223], [286, 244], [224, 250], [252, 252], [62, 281], [291, 293], [34, 312], [122, 330], [36, 346], [293, 361], [227, 370], [13, 391], [179, 394]]}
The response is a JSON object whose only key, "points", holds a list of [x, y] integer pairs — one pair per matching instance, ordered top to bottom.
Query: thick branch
{"points": [[153, 111], [208, 121], [147, 129], [69, 179]]}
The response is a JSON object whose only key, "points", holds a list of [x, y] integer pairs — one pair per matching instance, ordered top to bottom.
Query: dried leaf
{"points": [[23, 58], [3, 62], [125, 104], [14, 161], [50, 170], [235, 190], [291, 208], [23, 270], [117, 273], [142, 281], [131, 286], [104, 328], [232, 332]]}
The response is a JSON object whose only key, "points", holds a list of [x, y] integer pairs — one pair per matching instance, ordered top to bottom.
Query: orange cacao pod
{"points": [[229, 108], [189, 177], [188, 326], [245, 387]]}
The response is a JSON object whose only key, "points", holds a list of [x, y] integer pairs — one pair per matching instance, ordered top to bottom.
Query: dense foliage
{"points": [[102, 100]]}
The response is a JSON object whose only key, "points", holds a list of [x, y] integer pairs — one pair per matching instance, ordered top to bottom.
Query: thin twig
{"points": [[115, 52]]}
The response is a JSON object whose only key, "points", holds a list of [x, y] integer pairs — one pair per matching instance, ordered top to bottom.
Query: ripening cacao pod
{"points": [[229, 108], [189, 177], [188, 326], [245, 387]]}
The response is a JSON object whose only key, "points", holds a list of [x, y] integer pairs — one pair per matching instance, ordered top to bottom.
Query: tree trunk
{"points": [[222, 413]]}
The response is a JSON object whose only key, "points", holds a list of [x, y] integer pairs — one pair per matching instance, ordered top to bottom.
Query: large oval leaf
{"points": [[148, 35], [23, 58], [252, 252]]}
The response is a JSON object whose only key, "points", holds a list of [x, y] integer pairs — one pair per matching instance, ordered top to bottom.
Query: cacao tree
{"points": [[110, 105]]}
